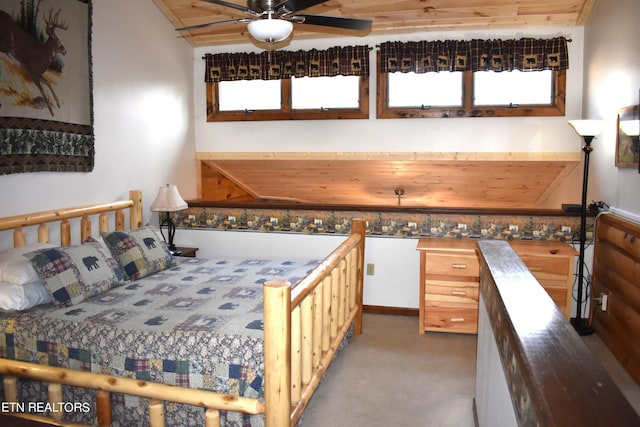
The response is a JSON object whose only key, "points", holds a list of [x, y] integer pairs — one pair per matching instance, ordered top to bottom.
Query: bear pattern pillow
{"points": [[139, 252], [74, 273]]}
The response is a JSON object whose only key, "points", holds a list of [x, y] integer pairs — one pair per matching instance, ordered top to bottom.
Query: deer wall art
{"points": [[33, 56]]}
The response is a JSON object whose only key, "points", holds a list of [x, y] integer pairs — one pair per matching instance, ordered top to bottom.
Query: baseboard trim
{"points": [[397, 311]]}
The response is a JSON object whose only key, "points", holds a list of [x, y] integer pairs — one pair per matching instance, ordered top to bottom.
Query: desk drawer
{"points": [[452, 264], [548, 268], [461, 292], [558, 295], [451, 317]]}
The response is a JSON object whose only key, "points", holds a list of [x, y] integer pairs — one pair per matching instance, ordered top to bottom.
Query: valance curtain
{"points": [[525, 54], [275, 65]]}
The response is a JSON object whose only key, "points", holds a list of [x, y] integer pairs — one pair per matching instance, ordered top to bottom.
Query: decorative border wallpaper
{"points": [[386, 224]]}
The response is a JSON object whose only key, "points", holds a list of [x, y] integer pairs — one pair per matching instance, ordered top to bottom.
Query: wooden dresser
{"points": [[450, 279]]}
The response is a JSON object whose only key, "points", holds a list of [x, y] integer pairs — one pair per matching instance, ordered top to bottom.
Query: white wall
{"points": [[612, 81], [143, 98]]}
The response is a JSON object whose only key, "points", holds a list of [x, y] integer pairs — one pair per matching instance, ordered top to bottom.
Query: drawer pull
{"points": [[459, 266], [535, 268], [459, 293], [456, 319]]}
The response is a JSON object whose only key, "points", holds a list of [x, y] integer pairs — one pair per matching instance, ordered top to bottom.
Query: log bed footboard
{"points": [[304, 327]]}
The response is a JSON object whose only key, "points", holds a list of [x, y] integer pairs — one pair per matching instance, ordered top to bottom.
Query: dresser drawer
{"points": [[454, 264], [548, 269], [462, 292], [558, 295], [451, 317]]}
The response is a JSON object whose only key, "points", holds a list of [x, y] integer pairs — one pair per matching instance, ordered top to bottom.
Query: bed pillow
{"points": [[139, 252], [15, 268], [74, 273], [15, 297]]}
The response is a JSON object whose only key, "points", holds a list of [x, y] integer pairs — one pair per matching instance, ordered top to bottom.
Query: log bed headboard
{"points": [[18, 222], [616, 274]]}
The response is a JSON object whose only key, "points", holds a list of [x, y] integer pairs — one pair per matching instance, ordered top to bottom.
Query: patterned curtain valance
{"points": [[525, 54], [346, 61]]}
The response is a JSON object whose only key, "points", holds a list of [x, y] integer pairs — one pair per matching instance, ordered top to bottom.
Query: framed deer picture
{"points": [[46, 104]]}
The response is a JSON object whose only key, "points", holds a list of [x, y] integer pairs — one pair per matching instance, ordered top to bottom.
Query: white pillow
{"points": [[14, 268], [22, 297]]}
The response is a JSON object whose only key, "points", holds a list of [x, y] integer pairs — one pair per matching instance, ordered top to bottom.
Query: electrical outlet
{"points": [[231, 219], [273, 220], [317, 221], [412, 225], [462, 227], [513, 228], [566, 229], [371, 268]]}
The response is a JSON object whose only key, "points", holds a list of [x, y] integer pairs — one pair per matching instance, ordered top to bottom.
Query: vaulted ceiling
{"points": [[387, 16], [523, 180]]}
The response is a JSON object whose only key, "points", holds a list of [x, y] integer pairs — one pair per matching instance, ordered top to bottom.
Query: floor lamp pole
{"points": [[581, 325]]}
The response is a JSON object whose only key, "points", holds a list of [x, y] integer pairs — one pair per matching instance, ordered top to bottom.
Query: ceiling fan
{"points": [[272, 21]]}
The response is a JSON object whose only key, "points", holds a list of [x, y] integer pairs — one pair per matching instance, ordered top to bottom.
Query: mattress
{"points": [[197, 325]]}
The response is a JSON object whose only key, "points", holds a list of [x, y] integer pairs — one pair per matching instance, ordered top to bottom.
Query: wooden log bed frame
{"points": [[303, 329]]}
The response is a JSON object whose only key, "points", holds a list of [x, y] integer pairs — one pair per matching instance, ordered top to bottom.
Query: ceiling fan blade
{"points": [[231, 5], [292, 6], [334, 21], [211, 24]]}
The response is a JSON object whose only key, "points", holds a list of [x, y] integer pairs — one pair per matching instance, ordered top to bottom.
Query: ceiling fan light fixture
{"points": [[270, 30]]}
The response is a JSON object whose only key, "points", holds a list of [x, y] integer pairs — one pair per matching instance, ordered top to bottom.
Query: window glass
{"points": [[513, 88], [425, 89], [325, 92], [241, 95]]}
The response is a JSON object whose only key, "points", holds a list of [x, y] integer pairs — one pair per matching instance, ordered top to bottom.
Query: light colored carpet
{"points": [[393, 376]]}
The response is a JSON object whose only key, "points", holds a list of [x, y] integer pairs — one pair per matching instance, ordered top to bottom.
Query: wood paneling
{"points": [[388, 16], [483, 180], [616, 273]]}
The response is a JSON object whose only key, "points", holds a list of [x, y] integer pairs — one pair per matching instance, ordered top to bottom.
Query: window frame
{"points": [[383, 111], [286, 112]]}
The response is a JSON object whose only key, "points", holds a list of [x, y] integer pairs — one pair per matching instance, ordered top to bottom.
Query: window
{"points": [[475, 78], [286, 85], [513, 88], [425, 90], [308, 93], [480, 94], [249, 95], [309, 98]]}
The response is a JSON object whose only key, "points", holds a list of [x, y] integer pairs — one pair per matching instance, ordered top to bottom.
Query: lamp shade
{"points": [[270, 30], [587, 127], [630, 127], [168, 200]]}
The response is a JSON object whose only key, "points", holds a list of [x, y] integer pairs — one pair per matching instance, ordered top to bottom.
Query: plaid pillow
{"points": [[139, 252], [74, 273]]}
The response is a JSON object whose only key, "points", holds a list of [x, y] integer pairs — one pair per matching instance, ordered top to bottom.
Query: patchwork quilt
{"points": [[198, 324]]}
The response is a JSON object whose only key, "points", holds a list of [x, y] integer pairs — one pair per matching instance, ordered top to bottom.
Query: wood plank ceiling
{"points": [[388, 17]]}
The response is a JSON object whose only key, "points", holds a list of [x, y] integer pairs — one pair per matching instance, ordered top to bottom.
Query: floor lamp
{"points": [[587, 129], [169, 200]]}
